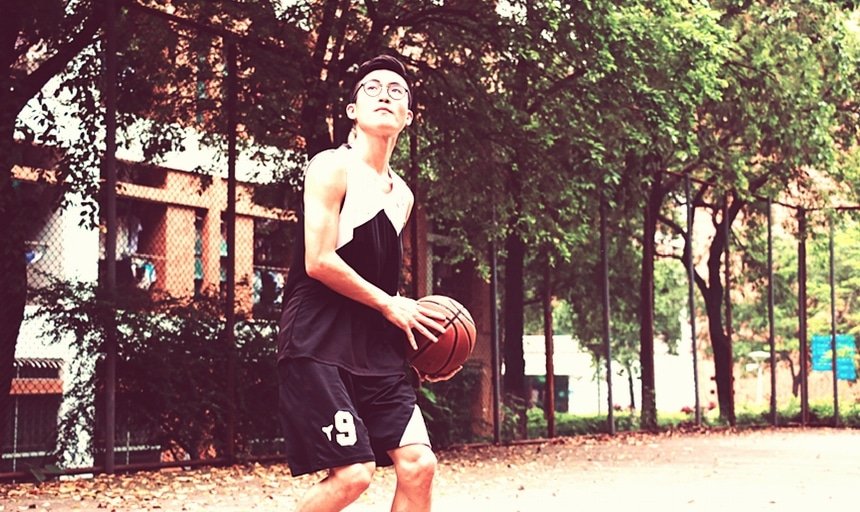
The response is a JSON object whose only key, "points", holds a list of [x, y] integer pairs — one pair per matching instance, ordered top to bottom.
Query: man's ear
{"points": [[350, 111], [409, 117]]}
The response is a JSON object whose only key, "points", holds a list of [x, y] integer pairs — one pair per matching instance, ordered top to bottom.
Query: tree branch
{"points": [[371, 9], [734, 10], [442, 14], [10, 28], [340, 30], [324, 34], [31, 84], [555, 88], [699, 197], [674, 226], [680, 231], [679, 257], [701, 284]]}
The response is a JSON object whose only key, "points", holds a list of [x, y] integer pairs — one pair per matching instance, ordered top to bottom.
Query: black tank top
{"points": [[321, 324]]}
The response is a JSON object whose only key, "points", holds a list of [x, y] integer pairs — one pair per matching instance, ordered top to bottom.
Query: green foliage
{"points": [[780, 112], [779, 125], [846, 280], [751, 312], [580, 314], [561, 318], [172, 366], [820, 415], [569, 424]]}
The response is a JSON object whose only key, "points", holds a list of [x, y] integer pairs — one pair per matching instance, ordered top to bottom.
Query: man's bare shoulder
{"points": [[327, 166]]}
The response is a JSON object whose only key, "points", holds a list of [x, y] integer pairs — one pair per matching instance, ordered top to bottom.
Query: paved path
{"points": [[763, 470], [773, 470]]}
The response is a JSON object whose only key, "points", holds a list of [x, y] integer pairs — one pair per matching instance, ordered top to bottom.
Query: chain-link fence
{"points": [[200, 239], [780, 313], [158, 316], [149, 333]]}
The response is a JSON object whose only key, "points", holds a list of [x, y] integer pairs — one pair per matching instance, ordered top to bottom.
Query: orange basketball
{"points": [[455, 345]]}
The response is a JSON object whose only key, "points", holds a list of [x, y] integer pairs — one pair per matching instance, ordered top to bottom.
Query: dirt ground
{"points": [[779, 470]]}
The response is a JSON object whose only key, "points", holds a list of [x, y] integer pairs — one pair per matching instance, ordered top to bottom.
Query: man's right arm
{"points": [[325, 189]]}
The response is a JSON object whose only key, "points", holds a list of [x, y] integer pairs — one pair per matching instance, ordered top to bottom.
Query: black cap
{"points": [[383, 61]]}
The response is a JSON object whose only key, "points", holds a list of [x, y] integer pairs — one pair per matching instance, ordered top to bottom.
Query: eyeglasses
{"points": [[373, 87]]}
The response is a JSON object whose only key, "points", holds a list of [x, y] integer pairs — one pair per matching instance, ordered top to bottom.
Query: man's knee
{"points": [[418, 466], [354, 479]]}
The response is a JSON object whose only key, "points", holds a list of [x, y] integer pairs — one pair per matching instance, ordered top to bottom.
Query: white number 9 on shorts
{"points": [[345, 426]]}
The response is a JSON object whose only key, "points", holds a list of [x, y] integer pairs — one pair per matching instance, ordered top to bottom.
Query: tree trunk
{"points": [[316, 105], [315, 130], [23, 206], [515, 247], [13, 271], [13, 282], [712, 293], [646, 305], [723, 363], [515, 366]]}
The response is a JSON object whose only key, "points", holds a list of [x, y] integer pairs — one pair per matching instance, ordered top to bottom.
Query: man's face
{"points": [[382, 103]]}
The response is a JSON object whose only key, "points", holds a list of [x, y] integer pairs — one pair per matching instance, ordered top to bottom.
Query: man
{"points": [[346, 404]]}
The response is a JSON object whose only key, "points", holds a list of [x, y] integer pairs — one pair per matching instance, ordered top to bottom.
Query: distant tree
{"points": [[668, 62], [787, 113], [752, 315]]}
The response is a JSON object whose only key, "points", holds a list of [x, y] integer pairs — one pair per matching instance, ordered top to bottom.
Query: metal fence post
{"points": [[413, 228], [727, 232], [110, 238], [604, 266], [691, 297], [801, 312], [230, 316], [833, 328], [771, 336], [494, 341]]}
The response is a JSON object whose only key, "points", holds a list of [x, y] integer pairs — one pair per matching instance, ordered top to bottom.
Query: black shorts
{"points": [[332, 418]]}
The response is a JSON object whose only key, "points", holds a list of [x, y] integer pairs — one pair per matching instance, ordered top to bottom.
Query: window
{"points": [[272, 252]]}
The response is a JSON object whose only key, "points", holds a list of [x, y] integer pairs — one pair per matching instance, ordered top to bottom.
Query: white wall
{"points": [[70, 251], [587, 385]]}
